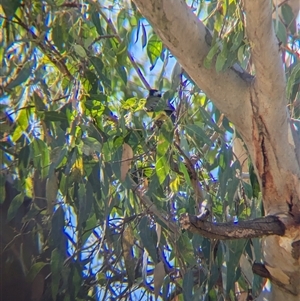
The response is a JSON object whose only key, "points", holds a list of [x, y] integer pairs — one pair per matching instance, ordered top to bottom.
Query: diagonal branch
{"points": [[151, 207], [270, 225]]}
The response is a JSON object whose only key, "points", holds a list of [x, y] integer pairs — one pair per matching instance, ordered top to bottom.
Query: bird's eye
{"points": [[157, 93]]}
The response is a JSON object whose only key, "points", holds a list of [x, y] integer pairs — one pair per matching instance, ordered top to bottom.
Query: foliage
{"points": [[74, 81]]}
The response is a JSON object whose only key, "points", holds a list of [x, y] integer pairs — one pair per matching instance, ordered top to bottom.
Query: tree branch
{"points": [[186, 37], [269, 72], [151, 207], [270, 225]]}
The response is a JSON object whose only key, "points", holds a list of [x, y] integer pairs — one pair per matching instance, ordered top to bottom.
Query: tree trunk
{"points": [[257, 107]]}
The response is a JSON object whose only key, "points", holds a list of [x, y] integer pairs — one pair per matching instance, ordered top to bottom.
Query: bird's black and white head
{"points": [[154, 92]]}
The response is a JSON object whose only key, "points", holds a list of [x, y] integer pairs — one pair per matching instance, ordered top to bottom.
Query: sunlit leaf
{"points": [[154, 49], [80, 50], [208, 59], [162, 168]]}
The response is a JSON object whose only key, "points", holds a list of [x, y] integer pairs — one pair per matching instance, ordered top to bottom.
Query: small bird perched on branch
{"points": [[155, 103]]}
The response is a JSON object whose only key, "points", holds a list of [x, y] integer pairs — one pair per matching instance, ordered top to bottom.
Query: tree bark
{"points": [[258, 110], [258, 227]]}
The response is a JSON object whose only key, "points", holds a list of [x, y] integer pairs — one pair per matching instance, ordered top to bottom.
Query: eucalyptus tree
{"points": [[101, 198]]}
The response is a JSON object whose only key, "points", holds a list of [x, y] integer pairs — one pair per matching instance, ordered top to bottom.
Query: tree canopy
{"points": [[95, 189]]}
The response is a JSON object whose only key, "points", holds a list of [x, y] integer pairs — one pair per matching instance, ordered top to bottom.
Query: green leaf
{"points": [[10, 7], [122, 16], [288, 17], [96, 21], [280, 31], [57, 35], [237, 40], [154, 49], [80, 51], [240, 54], [222, 58], [208, 60], [98, 64], [99, 67], [122, 72], [22, 76], [294, 78], [55, 116], [208, 119], [22, 122], [196, 133], [90, 145], [162, 145], [24, 156], [41, 156], [116, 162], [162, 168], [184, 170], [254, 181], [248, 189], [16, 203], [84, 207], [90, 225], [57, 235], [149, 238], [185, 247], [234, 250], [56, 267], [34, 270], [187, 285]]}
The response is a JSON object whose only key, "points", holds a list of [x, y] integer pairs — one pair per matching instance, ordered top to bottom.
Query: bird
{"points": [[154, 103]]}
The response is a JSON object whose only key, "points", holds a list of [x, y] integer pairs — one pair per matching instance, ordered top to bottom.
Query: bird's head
{"points": [[154, 92]]}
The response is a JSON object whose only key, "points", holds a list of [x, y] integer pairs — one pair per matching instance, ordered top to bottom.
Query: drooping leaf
{"points": [[96, 21], [154, 49], [21, 77], [197, 133], [127, 156], [162, 168], [51, 191], [14, 206], [148, 238], [127, 243], [234, 250], [56, 267], [158, 277], [187, 285]]}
